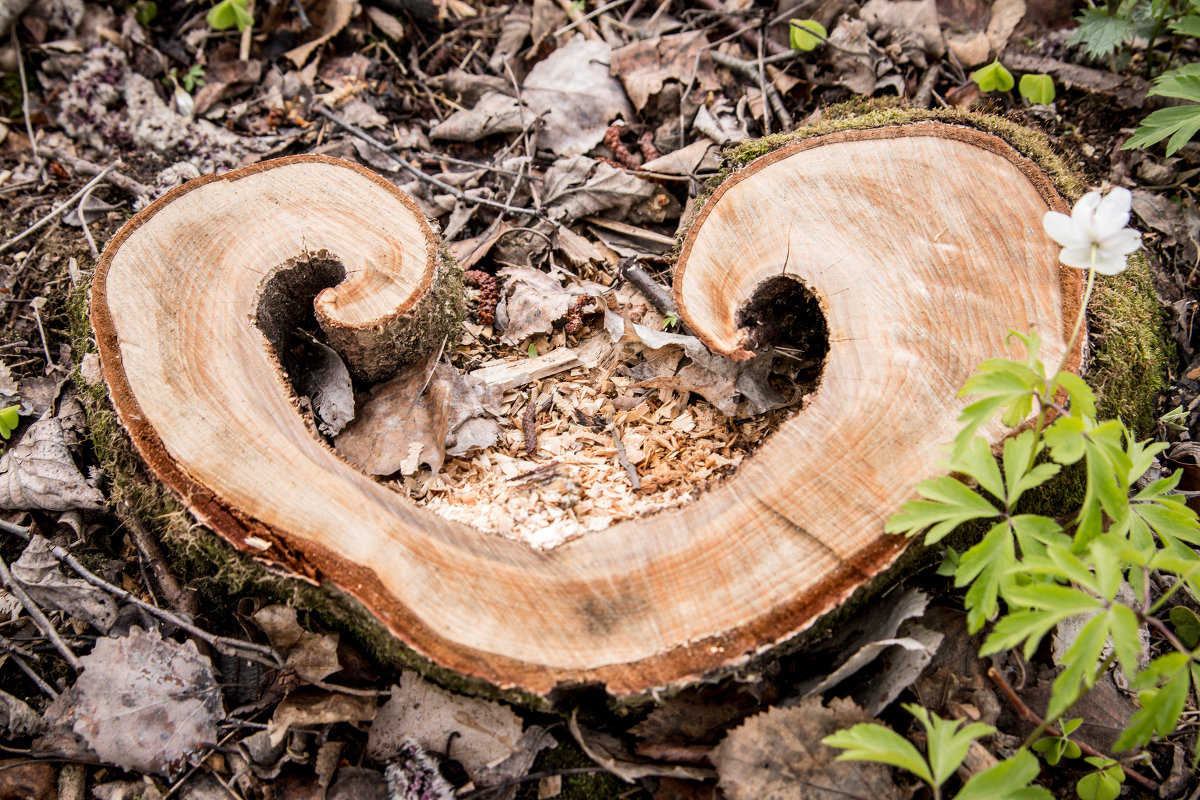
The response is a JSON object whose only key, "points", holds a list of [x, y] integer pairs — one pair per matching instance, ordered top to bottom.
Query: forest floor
{"points": [[609, 118]]}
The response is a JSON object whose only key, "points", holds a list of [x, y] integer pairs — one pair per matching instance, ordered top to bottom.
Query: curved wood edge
{"points": [[1072, 280]]}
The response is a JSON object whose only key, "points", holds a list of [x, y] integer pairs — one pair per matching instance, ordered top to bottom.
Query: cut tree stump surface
{"points": [[923, 245]]}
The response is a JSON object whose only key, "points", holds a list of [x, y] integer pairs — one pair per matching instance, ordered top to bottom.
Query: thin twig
{"points": [[587, 17], [750, 70], [924, 94], [25, 104], [420, 175], [117, 179], [70, 201], [83, 223], [180, 599], [38, 617], [257, 652], [23, 665], [1029, 715]]}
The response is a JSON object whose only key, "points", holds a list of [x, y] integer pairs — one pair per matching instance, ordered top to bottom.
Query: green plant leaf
{"points": [[145, 12], [228, 13], [1187, 26], [1100, 32], [806, 34], [993, 78], [1181, 82], [1037, 89], [1179, 122], [10, 418], [978, 462], [948, 503], [984, 566], [1186, 625], [1165, 685], [870, 742], [947, 745], [1008, 780], [1098, 786]]}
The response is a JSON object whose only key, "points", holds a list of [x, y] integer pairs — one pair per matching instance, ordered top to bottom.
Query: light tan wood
{"points": [[923, 247]]}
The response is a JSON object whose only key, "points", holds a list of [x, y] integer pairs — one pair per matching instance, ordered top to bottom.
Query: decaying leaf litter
{"points": [[550, 142]]}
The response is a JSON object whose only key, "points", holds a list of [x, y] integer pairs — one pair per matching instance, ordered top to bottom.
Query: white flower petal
{"points": [[1084, 213], [1112, 214], [1061, 229], [1124, 241], [1078, 257], [1109, 263]]}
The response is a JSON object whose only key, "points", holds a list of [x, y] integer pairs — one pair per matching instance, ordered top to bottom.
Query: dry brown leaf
{"points": [[337, 15], [1006, 16], [919, 17], [391, 26], [853, 64], [645, 65], [572, 93], [697, 156], [580, 186], [533, 301], [321, 375], [401, 426], [39, 474], [40, 573], [312, 656], [142, 702], [318, 709], [427, 714], [17, 719], [607, 751], [778, 755], [505, 776], [24, 780]]}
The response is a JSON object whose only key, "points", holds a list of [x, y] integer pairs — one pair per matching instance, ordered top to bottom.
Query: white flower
{"points": [[1096, 224]]}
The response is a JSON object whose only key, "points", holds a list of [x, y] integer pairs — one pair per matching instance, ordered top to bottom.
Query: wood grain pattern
{"points": [[918, 284]]}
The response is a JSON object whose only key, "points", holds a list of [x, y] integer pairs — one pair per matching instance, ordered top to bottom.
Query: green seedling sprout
{"points": [[806, 34], [993, 78], [1037, 89]]}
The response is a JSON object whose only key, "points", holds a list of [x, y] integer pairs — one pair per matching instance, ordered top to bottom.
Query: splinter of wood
{"points": [[893, 234]]}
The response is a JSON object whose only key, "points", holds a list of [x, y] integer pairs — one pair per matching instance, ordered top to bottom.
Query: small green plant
{"points": [[145, 12], [228, 13], [806, 34], [993, 78], [188, 81], [1037, 89], [671, 320], [531, 351], [9, 420], [1030, 572], [946, 748], [1055, 748], [1103, 782]]}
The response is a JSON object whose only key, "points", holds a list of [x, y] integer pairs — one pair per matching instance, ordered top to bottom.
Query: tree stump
{"points": [[922, 245]]}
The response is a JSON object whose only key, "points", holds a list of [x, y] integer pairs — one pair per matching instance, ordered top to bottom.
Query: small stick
{"points": [[576, 16], [588, 16], [748, 34], [244, 45], [749, 70], [924, 96], [25, 103], [420, 175], [117, 179], [70, 201], [83, 223], [632, 271], [37, 316], [630, 470], [180, 599], [38, 617], [262, 653], [46, 688], [1029, 715]]}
